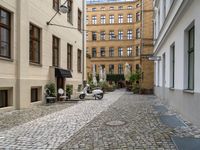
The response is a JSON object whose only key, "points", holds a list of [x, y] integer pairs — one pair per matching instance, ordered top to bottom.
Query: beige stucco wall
{"points": [[18, 73]]}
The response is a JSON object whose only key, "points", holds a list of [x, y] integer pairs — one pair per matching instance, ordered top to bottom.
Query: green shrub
{"points": [[50, 89], [69, 89]]}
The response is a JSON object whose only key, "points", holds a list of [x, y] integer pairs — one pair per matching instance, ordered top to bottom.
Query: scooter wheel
{"points": [[82, 96], [100, 96]]}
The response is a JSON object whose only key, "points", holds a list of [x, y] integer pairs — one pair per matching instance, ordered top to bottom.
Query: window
{"points": [[56, 5], [120, 7], [129, 7], [111, 8], [94, 9], [69, 13], [138, 16], [120, 18], [129, 18], [94, 19], [103, 19], [112, 19], [79, 20], [87, 20], [5, 31], [137, 33], [129, 34], [102, 35], [112, 35], [120, 35], [94, 36], [191, 39], [34, 47], [55, 47], [137, 50], [111, 51], [120, 51], [129, 51], [94, 52], [102, 52], [69, 56], [79, 60], [103, 66], [172, 66], [131, 67], [137, 67], [111, 69], [120, 69], [34, 94], [3, 98]]}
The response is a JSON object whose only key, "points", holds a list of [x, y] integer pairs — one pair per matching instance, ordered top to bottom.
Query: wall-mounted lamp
{"points": [[63, 9]]}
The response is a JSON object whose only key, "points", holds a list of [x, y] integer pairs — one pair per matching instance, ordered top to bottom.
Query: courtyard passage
{"points": [[120, 121]]}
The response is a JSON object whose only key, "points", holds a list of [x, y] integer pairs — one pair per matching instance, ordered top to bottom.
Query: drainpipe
{"points": [[83, 42]]}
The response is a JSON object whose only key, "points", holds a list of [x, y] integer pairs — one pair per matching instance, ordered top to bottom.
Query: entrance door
{"points": [[163, 76], [60, 83]]}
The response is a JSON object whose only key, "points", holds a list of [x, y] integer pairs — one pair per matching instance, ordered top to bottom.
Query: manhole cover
{"points": [[115, 123]]}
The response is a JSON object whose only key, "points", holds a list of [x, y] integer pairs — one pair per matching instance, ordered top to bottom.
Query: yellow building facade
{"points": [[120, 33]]}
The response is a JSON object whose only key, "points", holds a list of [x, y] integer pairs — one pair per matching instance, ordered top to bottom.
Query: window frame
{"points": [[56, 5], [70, 11], [111, 19], [79, 22], [8, 28], [33, 39], [55, 49], [111, 52], [120, 52], [191, 52], [69, 56], [79, 61], [111, 68], [120, 69], [34, 91], [5, 102]]}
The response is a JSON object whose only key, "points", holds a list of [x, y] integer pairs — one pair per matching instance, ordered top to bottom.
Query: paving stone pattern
{"points": [[14, 118], [142, 128], [52, 130]]}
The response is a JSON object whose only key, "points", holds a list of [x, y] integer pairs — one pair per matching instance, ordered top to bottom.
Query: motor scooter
{"points": [[97, 94]]}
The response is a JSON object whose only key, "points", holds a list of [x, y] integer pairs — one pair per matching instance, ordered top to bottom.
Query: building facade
{"points": [[120, 32], [177, 52], [33, 53]]}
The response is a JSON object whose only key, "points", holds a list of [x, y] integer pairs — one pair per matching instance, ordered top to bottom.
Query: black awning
{"points": [[62, 73]]}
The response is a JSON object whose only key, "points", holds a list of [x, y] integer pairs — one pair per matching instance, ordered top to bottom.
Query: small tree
{"points": [[135, 80], [50, 89]]}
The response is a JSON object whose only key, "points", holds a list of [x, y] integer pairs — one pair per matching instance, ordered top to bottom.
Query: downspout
{"points": [[83, 42]]}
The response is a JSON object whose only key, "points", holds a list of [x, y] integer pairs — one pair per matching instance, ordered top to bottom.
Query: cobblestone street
{"points": [[120, 121], [133, 126]]}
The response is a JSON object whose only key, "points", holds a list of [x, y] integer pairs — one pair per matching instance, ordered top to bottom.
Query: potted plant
{"points": [[69, 90], [50, 91]]}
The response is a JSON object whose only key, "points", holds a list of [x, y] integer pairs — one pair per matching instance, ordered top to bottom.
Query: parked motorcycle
{"points": [[97, 94]]}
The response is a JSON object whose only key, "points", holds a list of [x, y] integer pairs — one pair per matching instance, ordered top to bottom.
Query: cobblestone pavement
{"points": [[18, 117], [130, 123], [52, 130]]}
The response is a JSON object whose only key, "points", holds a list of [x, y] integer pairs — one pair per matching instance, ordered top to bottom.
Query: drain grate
{"points": [[116, 123]]}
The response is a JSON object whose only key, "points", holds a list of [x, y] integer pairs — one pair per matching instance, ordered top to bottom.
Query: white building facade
{"points": [[177, 48], [31, 52]]}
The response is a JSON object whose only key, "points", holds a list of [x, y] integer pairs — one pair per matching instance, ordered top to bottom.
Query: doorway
{"points": [[60, 83]]}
